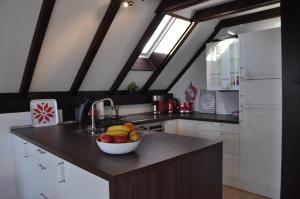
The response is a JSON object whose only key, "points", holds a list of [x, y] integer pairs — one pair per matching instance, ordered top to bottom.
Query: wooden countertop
{"points": [[69, 142]]}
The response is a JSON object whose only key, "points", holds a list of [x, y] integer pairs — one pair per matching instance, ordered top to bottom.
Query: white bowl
{"points": [[117, 149]]}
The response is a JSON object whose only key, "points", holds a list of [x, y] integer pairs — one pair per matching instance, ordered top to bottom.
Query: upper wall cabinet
{"points": [[260, 54], [222, 65]]}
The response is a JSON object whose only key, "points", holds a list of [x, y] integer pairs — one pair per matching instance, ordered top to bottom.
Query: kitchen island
{"points": [[164, 166]]}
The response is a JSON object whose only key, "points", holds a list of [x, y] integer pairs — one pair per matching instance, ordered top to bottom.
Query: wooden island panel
{"points": [[198, 176]]}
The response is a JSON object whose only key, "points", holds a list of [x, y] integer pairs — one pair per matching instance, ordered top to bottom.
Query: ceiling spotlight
{"points": [[128, 3]]}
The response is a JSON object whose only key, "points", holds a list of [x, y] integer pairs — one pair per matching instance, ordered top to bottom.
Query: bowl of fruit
{"points": [[119, 139]]}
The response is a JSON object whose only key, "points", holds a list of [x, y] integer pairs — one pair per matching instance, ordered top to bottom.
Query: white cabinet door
{"points": [[260, 54], [222, 65], [215, 67], [261, 93], [171, 127], [186, 127], [260, 146], [231, 164], [22, 168], [82, 184]]}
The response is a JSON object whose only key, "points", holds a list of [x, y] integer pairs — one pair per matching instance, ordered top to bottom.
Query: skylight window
{"points": [[165, 37]]}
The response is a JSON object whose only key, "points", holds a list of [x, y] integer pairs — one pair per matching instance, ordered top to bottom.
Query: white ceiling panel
{"points": [[18, 19], [72, 27], [125, 32], [184, 54], [139, 77]]}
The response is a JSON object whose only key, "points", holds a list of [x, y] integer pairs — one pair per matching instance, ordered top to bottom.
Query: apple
{"points": [[134, 136], [106, 138], [120, 139]]}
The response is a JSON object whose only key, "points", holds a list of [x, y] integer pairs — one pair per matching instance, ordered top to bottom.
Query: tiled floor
{"points": [[232, 193]]}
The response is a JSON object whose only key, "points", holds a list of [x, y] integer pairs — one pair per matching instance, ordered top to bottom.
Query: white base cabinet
{"points": [[171, 126], [186, 127], [228, 133], [41, 175]]}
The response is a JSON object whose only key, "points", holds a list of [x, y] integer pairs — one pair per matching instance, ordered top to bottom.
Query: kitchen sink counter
{"points": [[143, 118], [70, 143], [168, 166]]}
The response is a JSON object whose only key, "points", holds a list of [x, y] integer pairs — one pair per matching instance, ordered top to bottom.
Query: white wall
{"points": [[227, 102], [132, 109]]}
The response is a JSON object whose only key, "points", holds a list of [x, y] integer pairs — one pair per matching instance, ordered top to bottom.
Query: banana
{"points": [[119, 128], [117, 133]]}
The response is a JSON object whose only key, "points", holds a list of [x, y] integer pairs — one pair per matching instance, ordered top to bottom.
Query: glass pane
{"points": [[162, 26], [172, 36]]}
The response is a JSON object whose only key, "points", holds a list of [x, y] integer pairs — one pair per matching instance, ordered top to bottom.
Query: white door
{"points": [[260, 54], [261, 93], [186, 127], [260, 146]]}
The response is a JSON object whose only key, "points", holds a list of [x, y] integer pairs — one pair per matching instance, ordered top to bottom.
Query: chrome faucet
{"points": [[92, 127]]}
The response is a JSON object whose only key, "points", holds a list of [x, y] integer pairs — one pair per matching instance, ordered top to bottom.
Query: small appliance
{"points": [[158, 104]]}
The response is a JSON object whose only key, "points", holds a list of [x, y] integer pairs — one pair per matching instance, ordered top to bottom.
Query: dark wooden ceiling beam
{"points": [[175, 5], [231, 8], [263, 15], [258, 16], [36, 45], [95, 45], [136, 52], [162, 66]]}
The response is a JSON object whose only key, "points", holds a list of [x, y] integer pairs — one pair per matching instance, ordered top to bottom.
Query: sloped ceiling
{"points": [[17, 24], [72, 27], [125, 32]]}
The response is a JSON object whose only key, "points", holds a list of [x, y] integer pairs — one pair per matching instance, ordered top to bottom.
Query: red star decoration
{"points": [[43, 112]]}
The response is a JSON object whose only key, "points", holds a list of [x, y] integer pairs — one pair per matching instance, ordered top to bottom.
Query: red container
{"points": [[171, 105]]}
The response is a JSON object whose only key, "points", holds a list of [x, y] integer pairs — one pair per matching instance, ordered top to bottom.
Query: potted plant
{"points": [[133, 87]]}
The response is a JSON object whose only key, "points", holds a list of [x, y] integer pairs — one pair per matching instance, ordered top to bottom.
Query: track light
{"points": [[128, 3]]}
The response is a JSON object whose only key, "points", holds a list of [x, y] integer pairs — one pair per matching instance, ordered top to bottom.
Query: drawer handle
{"points": [[25, 149], [40, 151], [42, 167], [61, 172], [43, 196]]}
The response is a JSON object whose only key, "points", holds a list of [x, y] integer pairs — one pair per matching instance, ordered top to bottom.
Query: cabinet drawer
{"points": [[215, 126], [230, 140], [44, 157], [231, 164], [44, 182]]}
